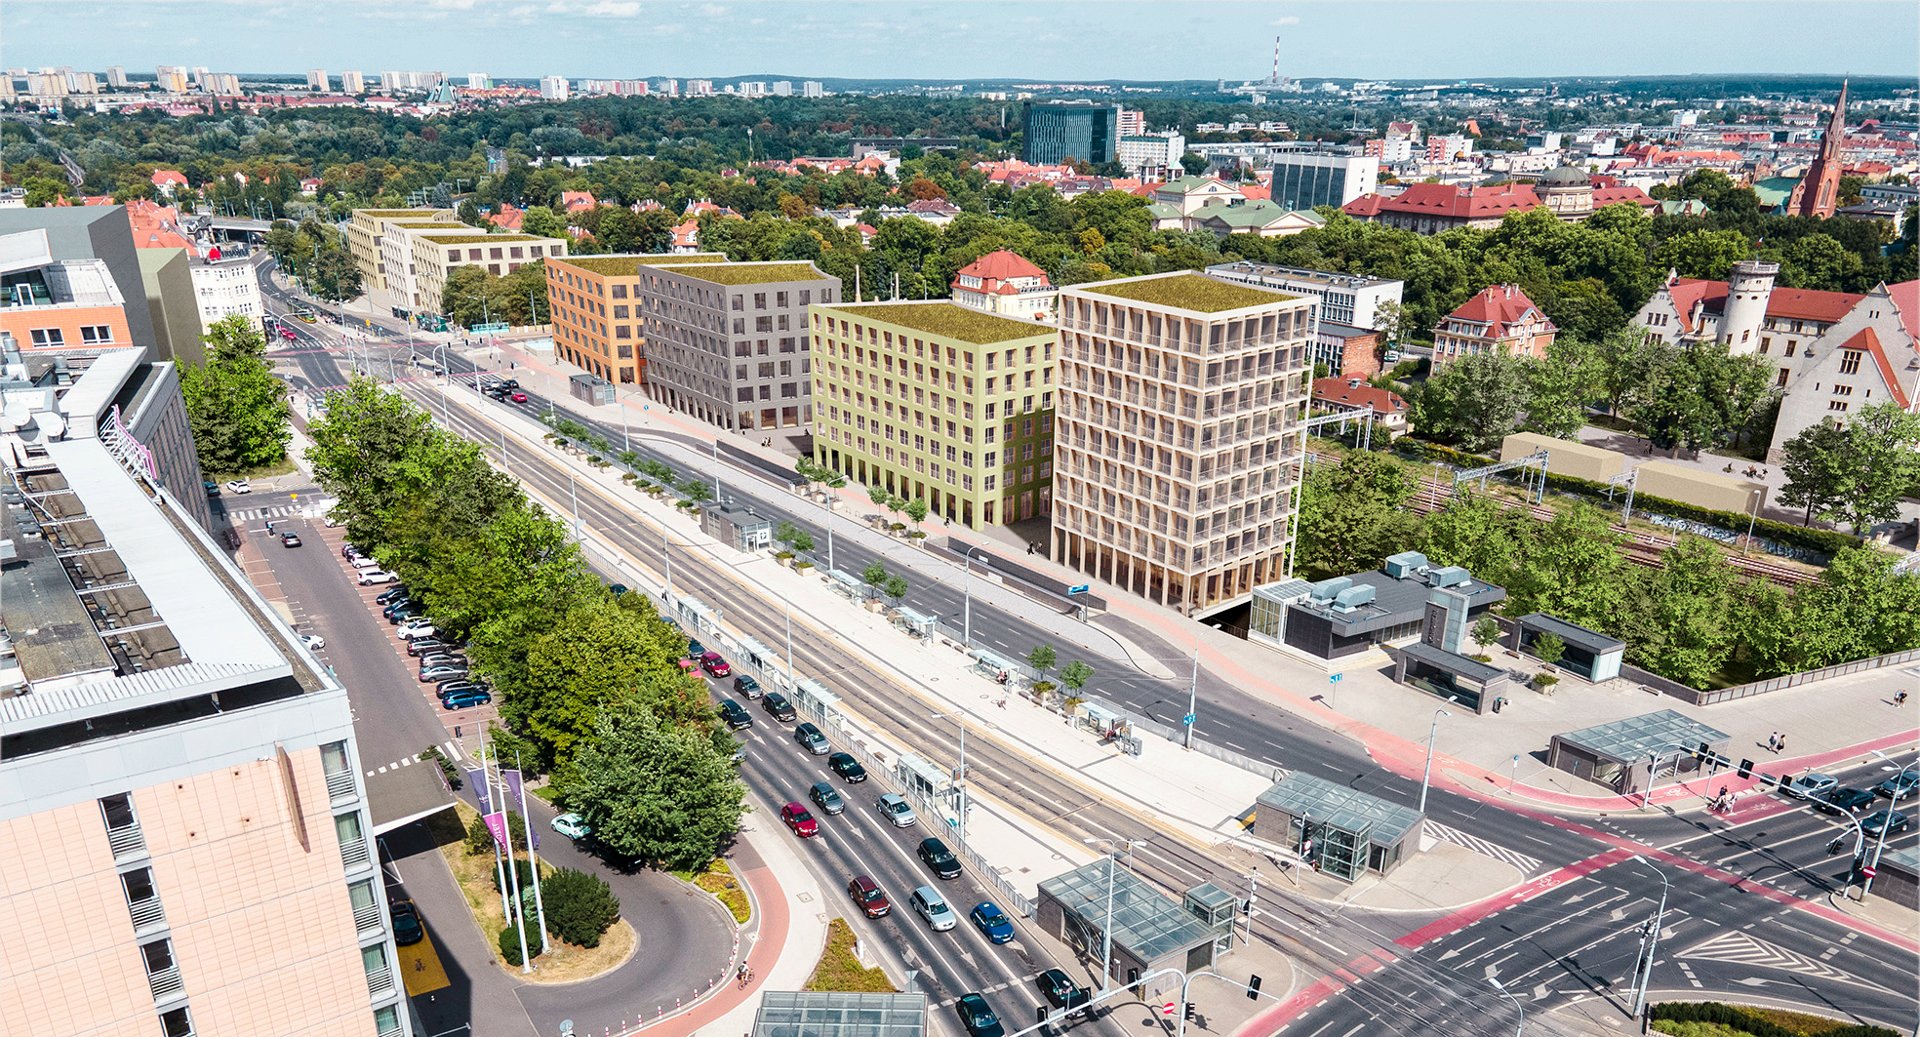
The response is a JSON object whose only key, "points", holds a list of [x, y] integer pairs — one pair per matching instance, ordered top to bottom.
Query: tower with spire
{"points": [[1818, 192]]}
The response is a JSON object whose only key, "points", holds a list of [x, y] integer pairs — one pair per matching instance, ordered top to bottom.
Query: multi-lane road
{"points": [[1432, 961]]}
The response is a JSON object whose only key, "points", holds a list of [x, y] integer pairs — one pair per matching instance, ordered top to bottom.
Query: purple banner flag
{"points": [[477, 788], [517, 799], [497, 824]]}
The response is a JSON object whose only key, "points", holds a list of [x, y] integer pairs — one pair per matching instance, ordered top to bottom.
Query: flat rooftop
{"points": [[629, 265], [746, 273], [1297, 275], [1187, 291], [946, 320], [1395, 601], [1636, 738], [1349, 810], [1147, 922], [822, 1013]]}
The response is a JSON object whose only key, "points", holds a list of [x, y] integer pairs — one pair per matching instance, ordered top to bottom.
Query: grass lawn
{"points": [[284, 466], [545, 792], [474, 873], [840, 970]]}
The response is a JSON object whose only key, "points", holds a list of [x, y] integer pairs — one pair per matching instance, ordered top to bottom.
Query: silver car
{"points": [[1808, 785], [897, 811]]}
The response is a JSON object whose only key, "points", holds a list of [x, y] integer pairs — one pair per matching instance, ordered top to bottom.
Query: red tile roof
{"points": [[164, 177], [1257, 192], [1604, 196], [576, 201], [1462, 202], [1364, 207], [507, 217], [996, 270], [1906, 298], [1787, 303], [1497, 306], [1865, 339], [1343, 392]]}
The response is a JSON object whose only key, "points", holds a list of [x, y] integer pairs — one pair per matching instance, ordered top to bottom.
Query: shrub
{"points": [[525, 868], [580, 907], [510, 942], [1763, 1022]]}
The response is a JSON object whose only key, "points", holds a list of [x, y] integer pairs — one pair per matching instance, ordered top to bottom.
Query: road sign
{"points": [[1078, 588], [1334, 678], [1188, 719], [1869, 871], [1167, 1009]]}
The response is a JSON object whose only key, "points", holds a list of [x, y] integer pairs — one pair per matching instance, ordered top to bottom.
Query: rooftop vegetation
{"points": [[1196, 292]]}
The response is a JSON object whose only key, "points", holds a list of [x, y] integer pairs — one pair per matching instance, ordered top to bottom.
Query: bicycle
{"points": [[745, 975]]}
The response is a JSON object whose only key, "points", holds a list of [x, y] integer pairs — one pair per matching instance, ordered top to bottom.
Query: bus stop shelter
{"points": [[849, 586], [919, 624], [1627, 756], [1340, 831], [1150, 929], [818, 1013]]}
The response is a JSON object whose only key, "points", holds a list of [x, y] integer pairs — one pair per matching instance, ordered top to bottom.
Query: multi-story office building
{"points": [[318, 81], [352, 82], [1055, 131], [1151, 152], [1306, 179], [367, 229], [91, 237], [437, 254], [398, 267], [226, 283], [1344, 298], [52, 305], [597, 316], [727, 342], [937, 403], [1176, 434], [184, 832]]}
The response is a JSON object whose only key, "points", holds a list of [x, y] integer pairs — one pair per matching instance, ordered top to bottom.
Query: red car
{"points": [[287, 333], [518, 397], [714, 665], [799, 820], [866, 893]]}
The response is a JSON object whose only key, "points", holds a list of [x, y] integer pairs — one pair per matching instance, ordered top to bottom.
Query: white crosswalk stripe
{"points": [[253, 514], [449, 748], [1527, 865]]}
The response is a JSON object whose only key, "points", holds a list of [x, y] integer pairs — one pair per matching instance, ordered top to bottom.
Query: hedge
{"points": [[1825, 541], [1763, 1022]]}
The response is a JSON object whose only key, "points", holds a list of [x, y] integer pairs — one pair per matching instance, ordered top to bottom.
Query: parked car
{"points": [[239, 486], [212, 488], [289, 540], [348, 550], [363, 562], [375, 577], [391, 594], [401, 611], [419, 626], [314, 642], [426, 646], [695, 649], [443, 659], [714, 665], [444, 672], [456, 685], [745, 685], [466, 699], [777, 706], [734, 714], [811, 739], [847, 767], [1807, 785], [1901, 785], [824, 797], [1842, 801], [897, 811], [799, 821], [1893, 821], [573, 826], [935, 855], [867, 894], [929, 905], [992, 922], [407, 927], [1061, 991], [978, 1017]]}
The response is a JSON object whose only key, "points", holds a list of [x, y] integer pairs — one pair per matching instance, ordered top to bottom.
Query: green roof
{"points": [[399, 212], [1259, 213], [480, 239], [677, 259], [746, 273], [1189, 291], [946, 320]]}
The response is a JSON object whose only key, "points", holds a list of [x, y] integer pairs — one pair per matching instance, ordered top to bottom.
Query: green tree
{"points": [[1194, 164], [468, 212], [544, 222], [1707, 254], [1560, 386], [1474, 401], [236, 407], [1884, 440], [1820, 470], [696, 489], [879, 495], [916, 510], [1352, 515], [1476, 532], [1573, 570], [875, 574], [895, 587], [1857, 609], [1677, 619], [1486, 632], [1548, 648], [596, 655], [1042, 658], [1075, 676], [654, 792], [580, 907]]}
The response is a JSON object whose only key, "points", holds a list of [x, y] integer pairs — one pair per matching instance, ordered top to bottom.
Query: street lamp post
{"points": [[966, 608], [1193, 698], [1426, 777], [960, 780], [1880, 843], [1106, 928], [1651, 946], [1517, 1006]]}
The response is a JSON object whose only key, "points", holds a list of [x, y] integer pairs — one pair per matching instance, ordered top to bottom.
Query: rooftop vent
{"points": [[1405, 565], [1449, 576]]}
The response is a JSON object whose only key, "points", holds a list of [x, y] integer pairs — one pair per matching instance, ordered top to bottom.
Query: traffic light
{"points": [[1704, 752], [1746, 769], [1253, 988], [1189, 1011]]}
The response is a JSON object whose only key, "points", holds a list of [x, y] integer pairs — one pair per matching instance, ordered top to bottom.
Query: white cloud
{"points": [[1281, 23]]}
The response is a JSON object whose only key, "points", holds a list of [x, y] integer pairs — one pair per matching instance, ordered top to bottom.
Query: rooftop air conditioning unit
{"points": [[1405, 565], [1450, 576], [1327, 590], [1353, 597]]}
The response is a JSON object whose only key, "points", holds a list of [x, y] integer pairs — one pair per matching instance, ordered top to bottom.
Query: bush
{"points": [[525, 868], [580, 907], [510, 941], [1762, 1022]]}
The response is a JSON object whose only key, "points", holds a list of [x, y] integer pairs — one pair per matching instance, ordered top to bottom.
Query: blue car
{"points": [[695, 649], [992, 922]]}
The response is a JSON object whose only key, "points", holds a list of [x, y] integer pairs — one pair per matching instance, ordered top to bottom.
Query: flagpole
{"points": [[499, 870], [513, 875], [539, 907]]}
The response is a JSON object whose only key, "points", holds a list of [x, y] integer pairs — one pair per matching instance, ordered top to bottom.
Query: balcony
{"points": [[341, 786], [127, 841], [353, 854], [147, 914], [367, 919], [379, 981], [166, 983]]}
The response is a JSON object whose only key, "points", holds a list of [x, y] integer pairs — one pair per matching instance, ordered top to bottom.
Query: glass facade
{"points": [[1055, 133], [1302, 182]]}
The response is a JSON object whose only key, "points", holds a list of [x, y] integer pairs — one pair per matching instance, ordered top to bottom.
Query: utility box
{"points": [[589, 388]]}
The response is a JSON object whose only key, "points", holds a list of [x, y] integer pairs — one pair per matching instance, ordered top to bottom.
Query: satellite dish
{"points": [[16, 415], [51, 424]]}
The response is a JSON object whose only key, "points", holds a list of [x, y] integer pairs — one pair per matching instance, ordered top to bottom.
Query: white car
{"points": [[239, 486], [370, 577], [413, 628], [314, 642], [897, 811], [573, 826]]}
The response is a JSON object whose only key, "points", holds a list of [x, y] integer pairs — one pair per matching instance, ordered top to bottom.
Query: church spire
{"points": [[1818, 192]]}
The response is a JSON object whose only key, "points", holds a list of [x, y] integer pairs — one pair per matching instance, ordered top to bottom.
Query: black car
{"points": [[509, 384], [386, 597], [404, 613], [427, 646], [745, 685], [777, 706], [734, 714], [847, 767], [1843, 801], [1893, 821], [934, 854], [407, 928], [1061, 991], [977, 1016]]}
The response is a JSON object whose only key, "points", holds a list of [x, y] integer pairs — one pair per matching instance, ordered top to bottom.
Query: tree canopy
{"points": [[235, 405]]}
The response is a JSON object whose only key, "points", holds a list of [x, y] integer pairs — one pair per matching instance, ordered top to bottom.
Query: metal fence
{"points": [[1740, 691], [1178, 736]]}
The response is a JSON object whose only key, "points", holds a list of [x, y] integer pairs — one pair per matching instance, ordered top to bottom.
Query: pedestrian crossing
{"points": [[253, 514], [449, 748], [1527, 865], [995, 989]]}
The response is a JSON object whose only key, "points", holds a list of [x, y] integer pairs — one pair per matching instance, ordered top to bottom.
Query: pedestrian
{"points": [[1900, 697], [1773, 742], [1782, 746]]}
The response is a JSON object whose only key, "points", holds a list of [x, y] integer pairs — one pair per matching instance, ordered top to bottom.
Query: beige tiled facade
{"points": [[1177, 438]]}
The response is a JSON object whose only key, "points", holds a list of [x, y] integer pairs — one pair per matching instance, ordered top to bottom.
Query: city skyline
{"points": [[922, 42]]}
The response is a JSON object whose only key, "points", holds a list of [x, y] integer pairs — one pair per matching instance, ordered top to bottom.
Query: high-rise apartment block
{"points": [[117, 77], [171, 78], [318, 81], [479, 81], [352, 82], [553, 88], [699, 88], [783, 88], [813, 88], [1056, 131], [597, 315], [727, 342], [937, 403], [1177, 434], [185, 838]]}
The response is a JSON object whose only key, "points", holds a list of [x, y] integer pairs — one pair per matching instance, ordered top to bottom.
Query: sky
{"points": [[1043, 40]]}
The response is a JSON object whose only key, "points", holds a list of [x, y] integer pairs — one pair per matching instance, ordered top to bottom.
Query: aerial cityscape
{"points": [[601, 518]]}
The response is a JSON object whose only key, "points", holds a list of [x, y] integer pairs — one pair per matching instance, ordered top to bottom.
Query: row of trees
{"points": [[315, 252], [1694, 619], [588, 683]]}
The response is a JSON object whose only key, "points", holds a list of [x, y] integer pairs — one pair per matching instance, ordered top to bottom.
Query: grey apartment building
{"points": [[727, 342], [1177, 434]]}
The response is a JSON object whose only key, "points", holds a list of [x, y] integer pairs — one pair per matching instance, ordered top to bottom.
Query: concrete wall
{"points": [[166, 278], [1565, 457], [1702, 489]]}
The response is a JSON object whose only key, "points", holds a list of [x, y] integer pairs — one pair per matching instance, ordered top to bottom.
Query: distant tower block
{"points": [[1748, 287]]}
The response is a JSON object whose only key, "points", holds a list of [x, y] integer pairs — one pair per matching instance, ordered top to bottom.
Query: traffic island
{"points": [[475, 874], [719, 880], [840, 967], [1717, 1019]]}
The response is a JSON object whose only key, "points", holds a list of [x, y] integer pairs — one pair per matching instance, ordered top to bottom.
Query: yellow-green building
{"points": [[939, 403]]}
